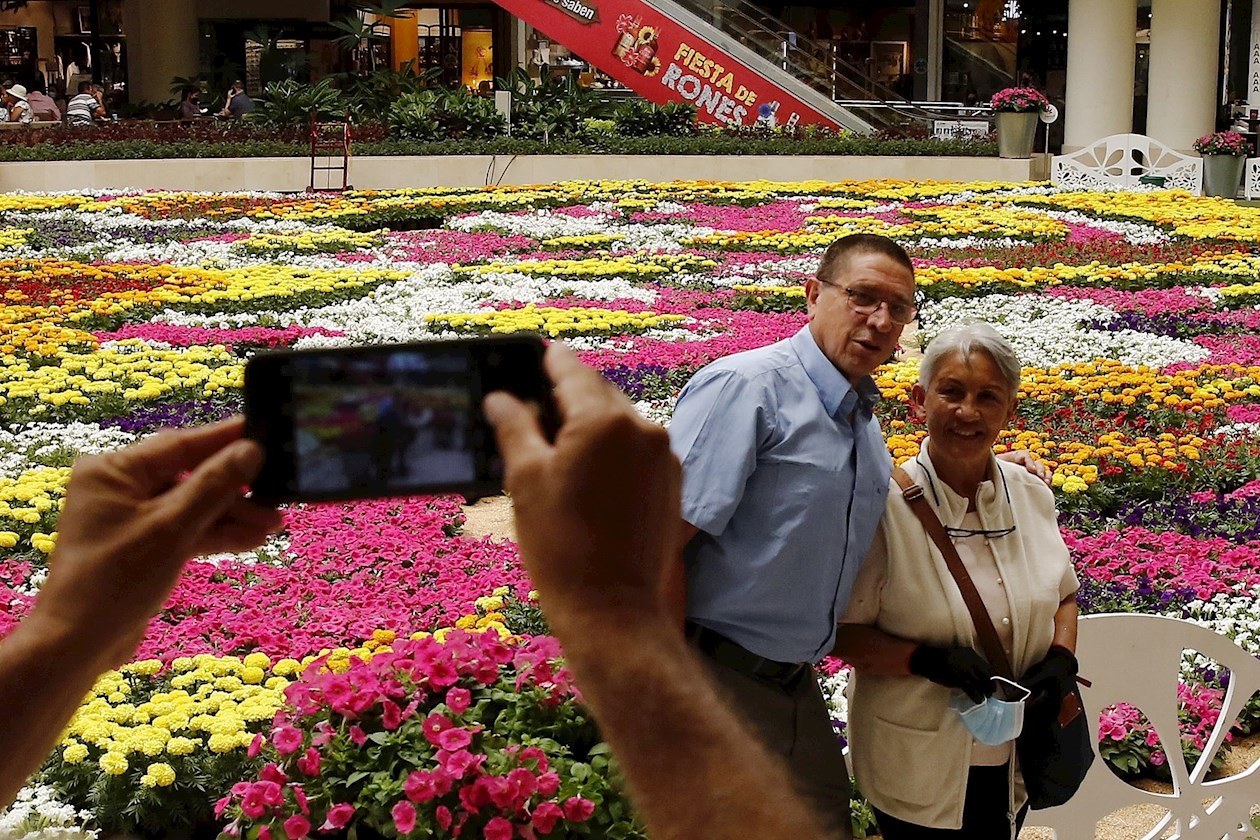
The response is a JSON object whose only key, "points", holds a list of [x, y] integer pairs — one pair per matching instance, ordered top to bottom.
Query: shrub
{"points": [[291, 103], [550, 109], [440, 114], [640, 118]]}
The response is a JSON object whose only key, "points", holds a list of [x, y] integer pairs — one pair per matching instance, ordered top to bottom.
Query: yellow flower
{"points": [[74, 754], [114, 764], [158, 775]]}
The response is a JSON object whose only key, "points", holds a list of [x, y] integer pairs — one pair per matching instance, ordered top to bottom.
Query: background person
{"points": [[15, 101], [238, 103], [190, 104], [42, 105], [84, 107], [128, 526], [908, 633]]}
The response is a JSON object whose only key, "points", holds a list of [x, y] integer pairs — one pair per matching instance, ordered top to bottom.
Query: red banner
{"points": [[661, 61]]}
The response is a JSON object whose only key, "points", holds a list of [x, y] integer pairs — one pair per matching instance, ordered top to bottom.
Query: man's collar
{"points": [[833, 386]]}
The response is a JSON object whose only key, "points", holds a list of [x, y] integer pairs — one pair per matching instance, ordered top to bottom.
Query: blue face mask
{"points": [[996, 720]]}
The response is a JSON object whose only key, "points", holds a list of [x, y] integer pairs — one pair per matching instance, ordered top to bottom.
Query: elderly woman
{"points": [[908, 633]]}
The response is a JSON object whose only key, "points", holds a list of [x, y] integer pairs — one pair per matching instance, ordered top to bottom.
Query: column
{"points": [[404, 38], [161, 44], [1185, 56], [1253, 60], [1099, 99]]}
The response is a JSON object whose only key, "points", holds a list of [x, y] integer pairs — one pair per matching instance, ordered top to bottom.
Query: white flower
{"points": [[1047, 331]]}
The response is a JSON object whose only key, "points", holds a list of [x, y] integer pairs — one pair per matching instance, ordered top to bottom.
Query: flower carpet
{"points": [[372, 668]]}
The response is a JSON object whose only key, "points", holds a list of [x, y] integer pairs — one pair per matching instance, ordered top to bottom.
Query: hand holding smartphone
{"points": [[386, 420]]}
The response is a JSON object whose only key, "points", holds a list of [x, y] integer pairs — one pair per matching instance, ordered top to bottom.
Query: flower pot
{"points": [[1015, 131], [1222, 174]]}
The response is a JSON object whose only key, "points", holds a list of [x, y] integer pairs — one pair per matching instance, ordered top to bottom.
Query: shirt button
{"points": [[999, 581], [1006, 621]]}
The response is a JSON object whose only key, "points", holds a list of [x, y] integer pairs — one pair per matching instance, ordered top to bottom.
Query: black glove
{"points": [[954, 667], [1051, 679]]}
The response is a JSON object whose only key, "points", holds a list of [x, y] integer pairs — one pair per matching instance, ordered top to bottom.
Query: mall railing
{"points": [[817, 64]]}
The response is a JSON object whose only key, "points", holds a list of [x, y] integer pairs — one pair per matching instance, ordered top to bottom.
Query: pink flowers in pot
{"points": [[1019, 100], [1223, 143]]}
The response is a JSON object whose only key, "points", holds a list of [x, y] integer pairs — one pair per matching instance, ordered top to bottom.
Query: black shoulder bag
{"points": [[1054, 752]]}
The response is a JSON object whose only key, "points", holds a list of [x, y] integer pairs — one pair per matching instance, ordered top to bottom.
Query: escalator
{"points": [[738, 66]]}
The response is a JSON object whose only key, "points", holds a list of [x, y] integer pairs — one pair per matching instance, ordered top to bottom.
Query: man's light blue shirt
{"points": [[785, 473]]}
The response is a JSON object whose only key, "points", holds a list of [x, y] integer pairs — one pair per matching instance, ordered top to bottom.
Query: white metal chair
{"points": [[1119, 161], [1251, 180], [1136, 659]]}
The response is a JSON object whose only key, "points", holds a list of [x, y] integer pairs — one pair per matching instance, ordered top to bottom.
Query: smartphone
{"points": [[387, 420]]}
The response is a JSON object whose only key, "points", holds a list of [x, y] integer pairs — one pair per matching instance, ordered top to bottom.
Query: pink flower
{"points": [[458, 700], [391, 715], [433, 727], [357, 736], [454, 739], [287, 740], [255, 746], [1158, 758], [309, 762], [549, 783], [419, 787], [577, 809], [404, 814], [339, 816], [443, 817], [545, 817], [297, 827], [498, 829]]}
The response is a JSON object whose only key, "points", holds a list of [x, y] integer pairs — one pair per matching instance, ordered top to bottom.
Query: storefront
{"points": [[55, 44]]}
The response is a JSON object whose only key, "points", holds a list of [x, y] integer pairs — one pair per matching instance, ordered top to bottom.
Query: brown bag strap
{"points": [[985, 631]]}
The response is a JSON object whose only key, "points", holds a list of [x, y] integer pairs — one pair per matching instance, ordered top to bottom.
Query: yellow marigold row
{"points": [[1189, 215], [14, 237], [311, 241], [617, 266], [553, 321], [129, 369], [1074, 464]]}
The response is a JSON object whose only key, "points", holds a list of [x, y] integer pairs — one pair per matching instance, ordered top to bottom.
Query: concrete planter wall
{"points": [[292, 174]]}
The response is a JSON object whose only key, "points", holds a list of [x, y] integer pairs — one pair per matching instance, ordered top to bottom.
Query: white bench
{"points": [[1118, 161]]}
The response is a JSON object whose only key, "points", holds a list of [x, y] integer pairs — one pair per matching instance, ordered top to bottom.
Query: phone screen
{"points": [[387, 420]]}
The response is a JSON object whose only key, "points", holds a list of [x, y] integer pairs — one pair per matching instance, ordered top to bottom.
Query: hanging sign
{"points": [[659, 59]]}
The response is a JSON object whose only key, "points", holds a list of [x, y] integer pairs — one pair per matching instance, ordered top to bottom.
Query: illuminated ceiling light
{"points": [[1011, 10]]}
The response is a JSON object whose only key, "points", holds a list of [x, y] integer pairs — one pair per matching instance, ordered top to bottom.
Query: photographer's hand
{"points": [[598, 514], [128, 526]]}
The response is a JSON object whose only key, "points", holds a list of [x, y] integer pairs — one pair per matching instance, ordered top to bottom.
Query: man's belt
{"points": [[738, 658]]}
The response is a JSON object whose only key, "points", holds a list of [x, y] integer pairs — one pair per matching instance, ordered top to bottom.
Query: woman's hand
{"points": [[954, 667], [1051, 679]]}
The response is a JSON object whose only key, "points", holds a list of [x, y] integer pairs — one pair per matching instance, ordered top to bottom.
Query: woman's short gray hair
{"points": [[967, 339]]}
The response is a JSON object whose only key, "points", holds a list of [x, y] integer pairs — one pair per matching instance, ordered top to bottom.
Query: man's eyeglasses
{"points": [[865, 303], [979, 532]]}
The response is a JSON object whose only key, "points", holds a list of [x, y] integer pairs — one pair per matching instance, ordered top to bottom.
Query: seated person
{"points": [[15, 101], [238, 102], [190, 104], [42, 105], [84, 107]]}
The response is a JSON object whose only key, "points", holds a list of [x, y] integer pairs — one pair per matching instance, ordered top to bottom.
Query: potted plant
{"points": [[1018, 109], [1224, 156]]}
